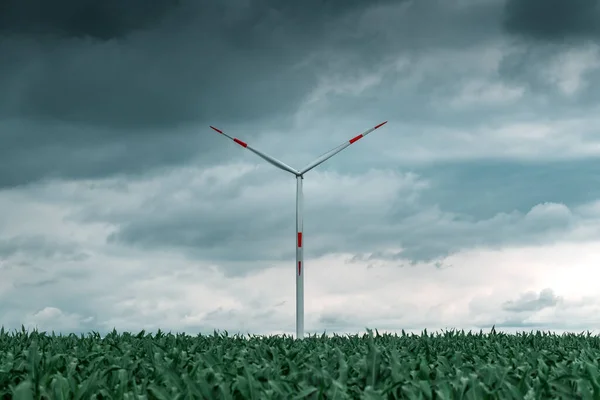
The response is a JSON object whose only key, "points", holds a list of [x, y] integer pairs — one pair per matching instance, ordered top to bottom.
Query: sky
{"points": [[477, 204]]}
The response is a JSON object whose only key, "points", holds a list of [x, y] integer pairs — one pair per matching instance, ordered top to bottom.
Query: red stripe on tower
{"points": [[381, 124], [218, 130], [356, 138], [238, 141], [299, 239], [299, 268]]}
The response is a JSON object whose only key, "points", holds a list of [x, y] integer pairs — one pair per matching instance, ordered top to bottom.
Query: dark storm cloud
{"points": [[110, 19], [553, 19], [102, 20], [224, 61], [128, 92], [119, 95], [33, 151]]}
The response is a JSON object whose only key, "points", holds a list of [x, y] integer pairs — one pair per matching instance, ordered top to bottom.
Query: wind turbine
{"points": [[299, 176]]}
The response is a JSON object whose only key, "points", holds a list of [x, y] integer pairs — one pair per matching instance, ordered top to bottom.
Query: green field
{"points": [[448, 365]]}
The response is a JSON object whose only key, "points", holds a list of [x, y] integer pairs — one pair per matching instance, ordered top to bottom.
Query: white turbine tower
{"points": [[299, 176]]}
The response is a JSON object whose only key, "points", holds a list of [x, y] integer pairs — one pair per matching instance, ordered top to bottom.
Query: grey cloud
{"points": [[102, 20], [554, 20], [231, 61], [559, 63], [523, 66], [572, 86], [78, 107], [34, 152], [485, 188], [232, 218], [425, 219], [243, 226], [432, 234], [205, 235], [39, 247], [151, 284], [65, 295], [530, 302], [60, 304]]}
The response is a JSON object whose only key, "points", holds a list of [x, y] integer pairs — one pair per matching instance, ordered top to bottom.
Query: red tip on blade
{"points": [[381, 124], [218, 130], [354, 139], [238, 141], [299, 239], [299, 267]]}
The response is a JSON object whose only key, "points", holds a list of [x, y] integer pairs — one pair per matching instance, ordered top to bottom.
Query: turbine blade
{"points": [[336, 150], [266, 157]]}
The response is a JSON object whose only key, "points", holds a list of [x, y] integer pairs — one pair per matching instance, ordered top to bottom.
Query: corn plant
{"points": [[446, 365]]}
